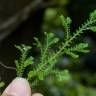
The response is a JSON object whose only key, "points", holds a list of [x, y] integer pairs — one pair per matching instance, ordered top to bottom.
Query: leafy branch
{"points": [[48, 58], [24, 60]]}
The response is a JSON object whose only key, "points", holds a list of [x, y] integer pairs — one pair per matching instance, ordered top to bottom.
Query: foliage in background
{"points": [[51, 14], [51, 20], [48, 58], [2, 84], [70, 88]]}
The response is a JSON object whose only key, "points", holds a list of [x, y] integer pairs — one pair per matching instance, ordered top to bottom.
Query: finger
{"points": [[18, 87], [37, 94]]}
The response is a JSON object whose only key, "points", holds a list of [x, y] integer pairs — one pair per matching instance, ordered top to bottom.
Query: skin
{"points": [[19, 87]]}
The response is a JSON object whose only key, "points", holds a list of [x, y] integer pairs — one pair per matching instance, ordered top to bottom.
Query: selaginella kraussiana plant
{"points": [[48, 57]]}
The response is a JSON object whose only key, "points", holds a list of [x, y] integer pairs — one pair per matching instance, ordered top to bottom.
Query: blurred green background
{"points": [[21, 20]]}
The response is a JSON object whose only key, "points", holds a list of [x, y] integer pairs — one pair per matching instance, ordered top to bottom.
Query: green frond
{"points": [[93, 15], [69, 21], [66, 24], [86, 26], [93, 28], [50, 39], [49, 42], [38, 43], [81, 47], [23, 48], [71, 53], [48, 57], [24, 60], [28, 61], [41, 69], [31, 74], [61, 75]]}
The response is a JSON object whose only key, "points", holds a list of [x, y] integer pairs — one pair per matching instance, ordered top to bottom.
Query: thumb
{"points": [[18, 87]]}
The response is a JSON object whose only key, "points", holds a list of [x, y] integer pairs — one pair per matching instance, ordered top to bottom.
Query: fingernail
{"points": [[18, 87], [37, 94]]}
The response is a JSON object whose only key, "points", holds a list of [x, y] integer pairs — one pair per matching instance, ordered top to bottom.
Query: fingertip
{"points": [[18, 87], [37, 94]]}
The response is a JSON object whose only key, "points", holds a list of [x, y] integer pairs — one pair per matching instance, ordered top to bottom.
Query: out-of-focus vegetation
{"points": [[2, 84]]}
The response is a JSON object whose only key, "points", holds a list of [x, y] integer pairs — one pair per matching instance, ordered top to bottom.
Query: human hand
{"points": [[19, 87]]}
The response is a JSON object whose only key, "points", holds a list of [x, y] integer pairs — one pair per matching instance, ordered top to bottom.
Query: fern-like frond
{"points": [[93, 15], [91, 22], [66, 24], [93, 28], [49, 41], [81, 47], [73, 51], [48, 57], [24, 60], [40, 72], [61, 75]]}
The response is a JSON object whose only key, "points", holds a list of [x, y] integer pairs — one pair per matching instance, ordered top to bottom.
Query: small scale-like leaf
{"points": [[93, 15], [62, 18], [69, 21], [93, 28], [49, 34], [50, 39], [53, 41], [38, 44], [82, 45], [72, 54], [29, 61], [30, 74], [63, 75], [40, 76]]}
